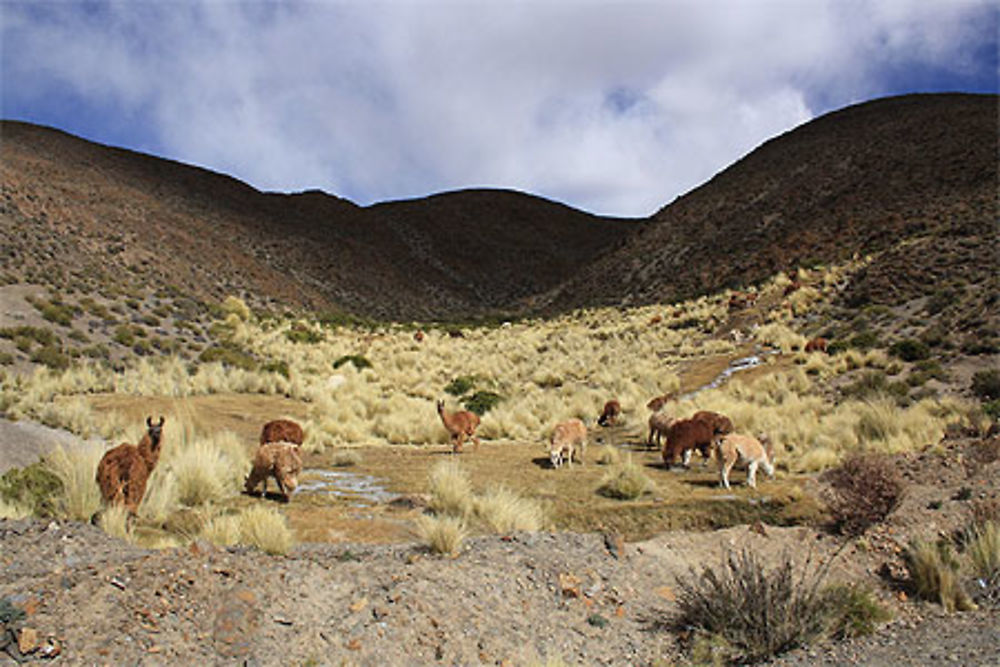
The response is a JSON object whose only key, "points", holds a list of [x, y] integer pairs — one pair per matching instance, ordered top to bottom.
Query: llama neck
{"points": [[149, 453]]}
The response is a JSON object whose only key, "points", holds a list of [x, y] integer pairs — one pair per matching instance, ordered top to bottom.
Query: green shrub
{"points": [[58, 313], [303, 334], [40, 335], [124, 335], [910, 349], [229, 355], [51, 356], [357, 360], [280, 367], [986, 384], [460, 385], [482, 402], [992, 409], [35, 487], [853, 611], [755, 612]]}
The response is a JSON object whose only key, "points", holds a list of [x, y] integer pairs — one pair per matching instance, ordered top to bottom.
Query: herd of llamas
{"points": [[123, 471]]}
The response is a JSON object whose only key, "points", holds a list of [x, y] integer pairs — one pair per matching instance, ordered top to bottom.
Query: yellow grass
{"points": [[77, 468], [626, 481], [450, 489], [13, 510], [504, 511], [114, 520], [265, 528], [443, 534], [984, 549]]}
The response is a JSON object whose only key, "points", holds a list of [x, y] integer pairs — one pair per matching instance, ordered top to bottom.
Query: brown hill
{"points": [[860, 179], [78, 214]]}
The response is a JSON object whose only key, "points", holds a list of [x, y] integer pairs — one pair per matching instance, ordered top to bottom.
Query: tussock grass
{"points": [[609, 456], [345, 458], [205, 468], [76, 469], [625, 481], [450, 489], [13, 510], [504, 511], [114, 520], [266, 529], [223, 530], [443, 534], [984, 550], [934, 571], [753, 612]]}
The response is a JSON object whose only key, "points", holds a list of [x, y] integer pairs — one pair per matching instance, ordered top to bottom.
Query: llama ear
{"points": [[161, 420], [149, 421]]}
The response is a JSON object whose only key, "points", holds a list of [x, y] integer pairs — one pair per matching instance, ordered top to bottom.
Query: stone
{"points": [[27, 640]]}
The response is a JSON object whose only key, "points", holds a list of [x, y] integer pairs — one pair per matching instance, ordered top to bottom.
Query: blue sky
{"points": [[613, 107]]}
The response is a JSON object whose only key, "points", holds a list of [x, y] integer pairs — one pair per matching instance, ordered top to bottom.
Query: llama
{"points": [[419, 336], [817, 344], [658, 402], [609, 416], [659, 424], [720, 424], [461, 425], [281, 430], [686, 435], [568, 438], [745, 449], [281, 460], [124, 470]]}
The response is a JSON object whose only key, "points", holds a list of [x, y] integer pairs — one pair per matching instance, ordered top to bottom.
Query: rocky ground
{"points": [[517, 599]]}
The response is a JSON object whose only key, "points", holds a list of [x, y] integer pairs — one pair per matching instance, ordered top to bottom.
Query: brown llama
{"points": [[817, 344], [658, 402], [609, 416], [659, 423], [720, 424], [461, 425], [282, 430], [686, 435], [281, 460], [124, 470]]}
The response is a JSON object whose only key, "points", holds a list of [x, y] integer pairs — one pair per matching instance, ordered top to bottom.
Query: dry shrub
{"points": [[609, 456], [345, 458], [76, 469], [625, 481], [864, 490], [451, 492], [504, 511], [114, 521], [266, 529], [443, 534], [984, 549], [934, 571], [750, 612]]}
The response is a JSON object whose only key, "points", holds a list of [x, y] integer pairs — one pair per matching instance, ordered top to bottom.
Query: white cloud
{"points": [[615, 107]]}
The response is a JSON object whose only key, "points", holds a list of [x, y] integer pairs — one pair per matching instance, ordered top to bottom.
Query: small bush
{"points": [[233, 305], [58, 313], [910, 350], [229, 355], [51, 356], [357, 360], [279, 367], [986, 384], [460, 386], [482, 402], [609, 456], [345, 458], [76, 469], [626, 481], [35, 488], [865, 489], [451, 492], [504, 511], [266, 529], [443, 534], [984, 550], [934, 571], [853, 611], [757, 613]]}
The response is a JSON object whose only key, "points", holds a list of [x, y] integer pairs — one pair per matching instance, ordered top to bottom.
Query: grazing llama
{"points": [[611, 413], [659, 424], [720, 424], [461, 425], [281, 430], [686, 435], [568, 438], [747, 450], [281, 460], [124, 470]]}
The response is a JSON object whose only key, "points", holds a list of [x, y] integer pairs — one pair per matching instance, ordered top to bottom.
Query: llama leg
{"points": [[686, 459], [726, 466], [752, 474]]}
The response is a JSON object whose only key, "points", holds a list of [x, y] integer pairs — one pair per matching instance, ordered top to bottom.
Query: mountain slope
{"points": [[921, 168], [856, 180]]}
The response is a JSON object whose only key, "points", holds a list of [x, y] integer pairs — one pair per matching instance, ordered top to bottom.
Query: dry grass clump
{"points": [[609, 456], [345, 458], [205, 468], [76, 469], [625, 481], [450, 489], [864, 490], [13, 510], [504, 511], [114, 520], [222, 529], [266, 529], [443, 534], [984, 549], [935, 574], [853, 611], [752, 612]]}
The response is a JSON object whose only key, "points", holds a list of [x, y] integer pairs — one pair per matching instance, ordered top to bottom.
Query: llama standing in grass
{"points": [[818, 344], [659, 423], [460, 425], [282, 430], [686, 435], [568, 438], [747, 450], [281, 460], [123, 471]]}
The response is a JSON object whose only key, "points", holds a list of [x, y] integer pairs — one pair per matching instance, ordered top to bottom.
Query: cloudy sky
{"points": [[613, 107]]}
